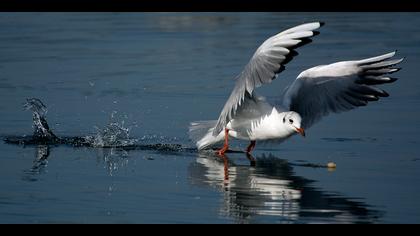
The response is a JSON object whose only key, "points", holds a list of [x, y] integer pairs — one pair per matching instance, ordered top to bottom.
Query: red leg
{"points": [[250, 147], [222, 151]]}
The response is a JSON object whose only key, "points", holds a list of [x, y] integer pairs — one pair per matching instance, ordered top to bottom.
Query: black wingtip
{"points": [[321, 23], [315, 33], [303, 42], [391, 80], [384, 94]]}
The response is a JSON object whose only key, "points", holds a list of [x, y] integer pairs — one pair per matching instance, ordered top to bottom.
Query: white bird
{"points": [[315, 93]]}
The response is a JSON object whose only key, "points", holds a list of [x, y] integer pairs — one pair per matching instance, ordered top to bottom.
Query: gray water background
{"points": [[157, 72]]}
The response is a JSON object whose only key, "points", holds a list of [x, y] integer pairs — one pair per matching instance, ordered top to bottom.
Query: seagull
{"points": [[315, 93]]}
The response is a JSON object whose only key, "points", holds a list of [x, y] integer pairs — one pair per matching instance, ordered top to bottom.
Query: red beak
{"points": [[301, 131]]}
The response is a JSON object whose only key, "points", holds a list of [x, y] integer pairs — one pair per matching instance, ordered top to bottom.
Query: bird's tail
{"points": [[201, 133]]}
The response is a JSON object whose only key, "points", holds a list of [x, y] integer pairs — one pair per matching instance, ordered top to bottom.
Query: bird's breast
{"points": [[268, 127]]}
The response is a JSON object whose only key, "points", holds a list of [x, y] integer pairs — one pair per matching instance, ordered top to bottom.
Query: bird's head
{"points": [[292, 121]]}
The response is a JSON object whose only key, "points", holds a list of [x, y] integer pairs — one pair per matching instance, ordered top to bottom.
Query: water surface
{"points": [[156, 72]]}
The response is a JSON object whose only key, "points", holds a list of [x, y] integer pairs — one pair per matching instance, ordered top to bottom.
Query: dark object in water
{"points": [[36, 140], [86, 142]]}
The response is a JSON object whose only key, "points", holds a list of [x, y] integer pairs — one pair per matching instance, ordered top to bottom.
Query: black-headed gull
{"points": [[316, 92]]}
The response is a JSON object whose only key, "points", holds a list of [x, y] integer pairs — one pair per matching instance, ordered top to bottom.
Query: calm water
{"points": [[156, 72]]}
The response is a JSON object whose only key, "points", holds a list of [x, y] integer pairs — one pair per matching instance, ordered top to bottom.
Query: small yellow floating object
{"points": [[331, 165]]}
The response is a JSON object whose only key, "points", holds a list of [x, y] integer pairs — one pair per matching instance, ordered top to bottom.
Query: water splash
{"points": [[41, 129], [112, 135]]}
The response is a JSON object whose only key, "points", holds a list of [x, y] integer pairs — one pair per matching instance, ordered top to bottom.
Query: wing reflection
{"points": [[271, 189]]}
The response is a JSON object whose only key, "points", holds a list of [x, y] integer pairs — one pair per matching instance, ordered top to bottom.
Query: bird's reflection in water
{"points": [[260, 190]]}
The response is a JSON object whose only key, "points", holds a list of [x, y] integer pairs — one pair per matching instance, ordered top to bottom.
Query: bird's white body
{"points": [[273, 126], [267, 127]]}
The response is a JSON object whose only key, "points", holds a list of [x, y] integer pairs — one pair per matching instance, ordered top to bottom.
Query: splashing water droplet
{"points": [[40, 124], [112, 135]]}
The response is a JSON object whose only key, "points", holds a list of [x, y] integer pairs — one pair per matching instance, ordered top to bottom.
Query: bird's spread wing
{"points": [[268, 60], [338, 87]]}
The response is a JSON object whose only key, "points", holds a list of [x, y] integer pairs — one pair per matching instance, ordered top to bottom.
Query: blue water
{"points": [[156, 72]]}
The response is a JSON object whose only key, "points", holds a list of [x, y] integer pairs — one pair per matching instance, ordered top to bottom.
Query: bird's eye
{"points": [[284, 119], [290, 121]]}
